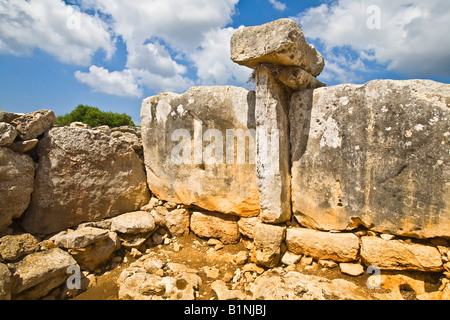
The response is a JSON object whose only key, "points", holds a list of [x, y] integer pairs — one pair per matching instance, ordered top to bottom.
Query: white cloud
{"points": [[278, 5], [54, 27], [162, 36], [412, 37], [154, 57], [214, 66], [120, 83], [159, 83]]}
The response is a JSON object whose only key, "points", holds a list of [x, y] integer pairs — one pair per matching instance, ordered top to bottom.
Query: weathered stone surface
{"points": [[279, 42], [298, 79], [8, 116], [33, 124], [7, 134], [129, 138], [23, 146], [185, 149], [272, 149], [373, 154], [83, 176], [16, 185], [177, 222], [133, 223], [215, 225], [247, 226], [79, 238], [267, 244], [14, 247], [340, 247], [94, 255], [398, 255], [290, 258], [352, 269], [40, 272], [5, 282], [141, 282], [297, 286], [224, 293]]}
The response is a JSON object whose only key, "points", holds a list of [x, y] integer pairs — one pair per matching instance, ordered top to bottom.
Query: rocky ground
{"points": [[189, 267]]}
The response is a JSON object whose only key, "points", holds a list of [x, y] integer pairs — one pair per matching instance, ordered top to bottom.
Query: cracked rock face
{"points": [[279, 42], [189, 152], [373, 154], [83, 175], [16, 185]]}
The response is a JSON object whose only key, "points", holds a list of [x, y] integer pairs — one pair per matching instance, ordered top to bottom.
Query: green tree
{"points": [[94, 117]]}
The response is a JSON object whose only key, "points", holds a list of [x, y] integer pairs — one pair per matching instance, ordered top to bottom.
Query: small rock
{"points": [[23, 146], [133, 223], [386, 236], [14, 247], [177, 247], [135, 253], [241, 258], [290, 258], [306, 261], [328, 264], [252, 267], [352, 269], [211, 272], [223, 293]]}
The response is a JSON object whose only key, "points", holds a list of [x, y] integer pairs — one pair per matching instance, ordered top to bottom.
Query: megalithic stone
{"points": [[280, 42], [283, 62], [272, 148]]}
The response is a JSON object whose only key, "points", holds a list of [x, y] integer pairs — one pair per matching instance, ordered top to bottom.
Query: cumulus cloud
{"points": [[278, 5], [54, 27], [408, 36], [161, 37], [214, 66], [120, 83]]}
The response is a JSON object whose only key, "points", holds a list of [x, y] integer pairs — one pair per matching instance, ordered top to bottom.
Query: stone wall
{"points": [[350, 176]]}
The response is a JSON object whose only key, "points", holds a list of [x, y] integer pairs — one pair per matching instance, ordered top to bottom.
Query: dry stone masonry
{"points": [[352, 179]]}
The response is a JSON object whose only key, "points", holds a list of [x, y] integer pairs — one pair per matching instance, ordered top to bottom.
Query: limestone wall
{"points": [[350, 176]]}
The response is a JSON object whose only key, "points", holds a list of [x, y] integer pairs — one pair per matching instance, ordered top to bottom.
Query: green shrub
{"points": [[94, 117]]}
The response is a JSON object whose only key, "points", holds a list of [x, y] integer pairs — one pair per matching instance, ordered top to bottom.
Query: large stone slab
{"points": [[279, 42], [32, 125], [272, 148], [191, 154], [373, 154], [83, 176], [16, 185], [133, 223], [215, 225], [79, 238], [341, 247], [94, 255], [398, 255], [38, 273], [298, 286]]}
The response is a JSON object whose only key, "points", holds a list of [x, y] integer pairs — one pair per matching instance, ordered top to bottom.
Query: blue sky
{"points": [[57, 54]]}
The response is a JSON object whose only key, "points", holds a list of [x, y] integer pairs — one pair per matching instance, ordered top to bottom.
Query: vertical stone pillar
{"points": [[284, 62], [272, 148]]}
